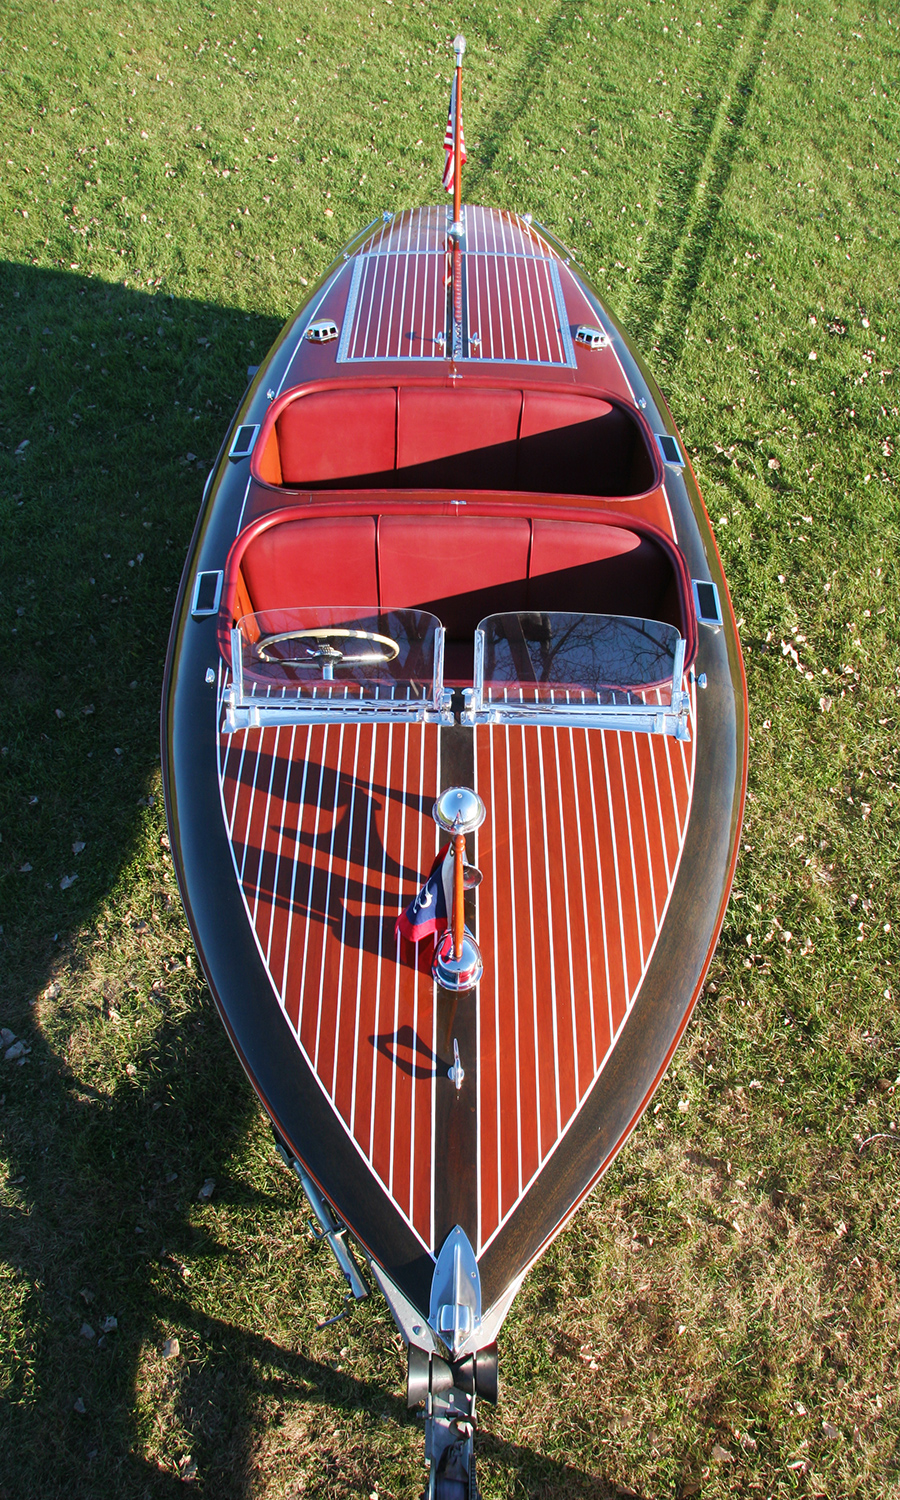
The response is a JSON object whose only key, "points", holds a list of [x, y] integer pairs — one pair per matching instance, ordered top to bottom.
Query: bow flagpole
{"points": [[455, 147], [459, 148]]}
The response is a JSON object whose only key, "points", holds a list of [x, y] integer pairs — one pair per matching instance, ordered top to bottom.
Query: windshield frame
{"points": [[665, 718]]}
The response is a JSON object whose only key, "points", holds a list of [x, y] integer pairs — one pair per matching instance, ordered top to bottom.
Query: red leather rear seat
{"points": [[459, 569]]}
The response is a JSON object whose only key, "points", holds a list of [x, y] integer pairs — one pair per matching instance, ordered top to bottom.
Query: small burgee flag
{"points": [[450, 163], [427, 914]]}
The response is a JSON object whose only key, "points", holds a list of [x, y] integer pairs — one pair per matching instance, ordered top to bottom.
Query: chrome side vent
{"points": [[322, 331], [591, 338], [244, 438], [669, 449], [207, 594], [706, 603]]}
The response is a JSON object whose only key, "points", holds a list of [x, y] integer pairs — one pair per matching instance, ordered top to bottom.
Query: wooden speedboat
{"points": [[453, 599]]}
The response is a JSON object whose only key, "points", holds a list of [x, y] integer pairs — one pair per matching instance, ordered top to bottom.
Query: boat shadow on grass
{"points": [[113, 407], [129, 1097], [93, 1230]]}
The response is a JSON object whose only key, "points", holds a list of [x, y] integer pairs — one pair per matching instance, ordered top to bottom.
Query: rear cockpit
{"points": [[430, 435]]}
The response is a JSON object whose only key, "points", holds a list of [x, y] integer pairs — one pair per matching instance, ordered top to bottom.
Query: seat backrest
{"points": [[443, 437], [339, 438], [457, 438], [580, 445], [330, 560], [458, 568], [597, 569]]}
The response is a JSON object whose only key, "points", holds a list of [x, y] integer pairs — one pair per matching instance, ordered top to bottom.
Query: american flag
{"points": [[450, 163], [427, 914]]}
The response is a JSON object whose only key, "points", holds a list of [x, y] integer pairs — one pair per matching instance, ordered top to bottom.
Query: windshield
{"points": [[332, 653], [583, 659]]}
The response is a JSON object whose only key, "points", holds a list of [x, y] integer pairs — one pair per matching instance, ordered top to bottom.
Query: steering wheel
{"points": [[328, 655]]}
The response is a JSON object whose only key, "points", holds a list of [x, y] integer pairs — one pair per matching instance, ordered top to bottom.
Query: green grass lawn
{"points": [[721, 1317]]}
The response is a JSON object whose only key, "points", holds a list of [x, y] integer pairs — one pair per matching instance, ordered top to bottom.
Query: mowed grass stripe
{"points": [[695, 175]]}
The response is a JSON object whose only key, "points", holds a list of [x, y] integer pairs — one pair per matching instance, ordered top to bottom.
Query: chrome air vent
{"points": [[322, 331], [592, 338], [244, 438], [669, 449], [207, 594], [706, 603]]}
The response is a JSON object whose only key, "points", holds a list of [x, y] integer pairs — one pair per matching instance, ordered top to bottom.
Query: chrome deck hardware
{"points": [[322, 331], [592, 338], [244, 438], [706, 603], [457, 964], [454, 971], [457, 1073], [455, 1311]]}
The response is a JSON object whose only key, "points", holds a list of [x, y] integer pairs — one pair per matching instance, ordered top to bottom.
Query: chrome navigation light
{"points": [[457, 973]]}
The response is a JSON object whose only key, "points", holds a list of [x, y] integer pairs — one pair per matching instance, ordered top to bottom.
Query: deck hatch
{"points": [[397, 302]]}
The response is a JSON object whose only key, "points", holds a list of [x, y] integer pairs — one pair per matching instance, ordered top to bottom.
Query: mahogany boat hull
{"points": [[607, 855]]}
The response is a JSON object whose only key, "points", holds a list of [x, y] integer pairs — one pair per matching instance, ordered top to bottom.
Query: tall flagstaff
{"points": [[459, 150]]}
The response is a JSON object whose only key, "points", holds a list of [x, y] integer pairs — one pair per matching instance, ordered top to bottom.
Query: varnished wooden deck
{"points": [[513, 296], [331, 833]]}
